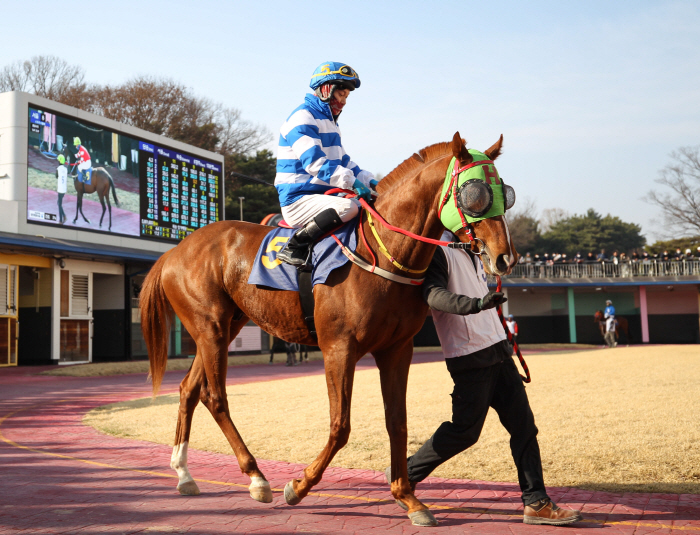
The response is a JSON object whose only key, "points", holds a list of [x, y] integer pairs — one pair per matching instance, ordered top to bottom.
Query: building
{"points": [[69, 289]]}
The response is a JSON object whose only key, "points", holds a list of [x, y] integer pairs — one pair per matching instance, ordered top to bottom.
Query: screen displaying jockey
{"points": [[311, 160], [84, 162], [609, 315]]}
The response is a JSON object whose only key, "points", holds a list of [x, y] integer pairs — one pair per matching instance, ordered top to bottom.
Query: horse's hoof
{"points": [[189, 488], [260, 491], [289, 495], [423, 518]]}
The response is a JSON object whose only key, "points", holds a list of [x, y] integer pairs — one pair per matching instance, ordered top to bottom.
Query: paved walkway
{"points": [[60, 477]]}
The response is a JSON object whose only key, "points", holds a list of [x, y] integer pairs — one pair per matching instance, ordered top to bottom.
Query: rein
{"points": [[372, 268], [511, 338]]}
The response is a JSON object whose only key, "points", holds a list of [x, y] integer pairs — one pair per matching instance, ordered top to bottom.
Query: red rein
{"points": [[371, 210], [511, 339]]}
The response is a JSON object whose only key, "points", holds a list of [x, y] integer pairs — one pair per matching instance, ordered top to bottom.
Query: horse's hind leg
{"points": [[104, 209], [212, 349], [190, 388]]}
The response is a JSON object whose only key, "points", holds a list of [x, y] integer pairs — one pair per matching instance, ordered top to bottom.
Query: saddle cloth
{"points": [[327, 256]]}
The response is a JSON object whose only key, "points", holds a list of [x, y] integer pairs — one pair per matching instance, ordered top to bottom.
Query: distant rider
{"points": [[311, 160], [84, 162], [609, 315], [512, 326]]}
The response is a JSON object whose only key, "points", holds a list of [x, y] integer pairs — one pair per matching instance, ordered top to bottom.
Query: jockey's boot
{"points": [[298, 248]]}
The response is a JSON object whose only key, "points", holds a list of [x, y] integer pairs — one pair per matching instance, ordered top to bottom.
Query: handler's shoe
{"points": [[546, 512]]}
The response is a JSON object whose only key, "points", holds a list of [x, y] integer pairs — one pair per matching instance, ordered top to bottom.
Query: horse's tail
{"points": [[114, 188], [156, 317]]}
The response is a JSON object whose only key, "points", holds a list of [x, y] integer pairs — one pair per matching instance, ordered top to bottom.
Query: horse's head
{"points": [[476, 214], [598, 317]]}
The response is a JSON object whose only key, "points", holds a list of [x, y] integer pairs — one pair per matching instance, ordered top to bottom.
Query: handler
{"points": [[311, 160], [478, 358]]}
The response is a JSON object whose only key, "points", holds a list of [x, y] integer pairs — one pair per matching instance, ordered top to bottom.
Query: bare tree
{"points": [[49, 77], [168, 108], [681, 206], [550, 217]]}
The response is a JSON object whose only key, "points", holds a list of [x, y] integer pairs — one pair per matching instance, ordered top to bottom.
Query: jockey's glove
{"points": [[373, 183], [362, 191], [491, 300]]}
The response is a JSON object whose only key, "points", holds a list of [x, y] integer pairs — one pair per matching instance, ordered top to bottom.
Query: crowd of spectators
{"points": [[615, 258], [616, 265]]}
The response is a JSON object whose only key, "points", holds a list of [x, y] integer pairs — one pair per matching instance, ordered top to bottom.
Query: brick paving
{"points": [[61, 477]]}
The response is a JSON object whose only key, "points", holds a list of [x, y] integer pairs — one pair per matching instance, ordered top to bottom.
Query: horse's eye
{"points": [[508, 196], [475, 198]]}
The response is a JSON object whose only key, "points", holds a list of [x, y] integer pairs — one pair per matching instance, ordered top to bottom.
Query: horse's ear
{"points": [[459, 150], [494, 151]]}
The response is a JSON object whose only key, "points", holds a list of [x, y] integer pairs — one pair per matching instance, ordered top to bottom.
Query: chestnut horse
{"points": [[101, 182], [204, 281], [622, 325]]}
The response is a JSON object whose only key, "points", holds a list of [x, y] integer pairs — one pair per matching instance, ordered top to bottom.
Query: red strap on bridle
{"points": [[511, 339]]}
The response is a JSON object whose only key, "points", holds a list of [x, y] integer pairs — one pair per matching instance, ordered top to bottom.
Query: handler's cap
{"points": [[61, 159]]}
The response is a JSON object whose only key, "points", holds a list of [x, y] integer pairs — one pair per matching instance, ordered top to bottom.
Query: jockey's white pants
{"points": [[301, 212], [609, 324]]}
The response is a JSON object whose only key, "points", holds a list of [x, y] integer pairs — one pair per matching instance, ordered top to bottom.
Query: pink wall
{"points": [[681, 300]]}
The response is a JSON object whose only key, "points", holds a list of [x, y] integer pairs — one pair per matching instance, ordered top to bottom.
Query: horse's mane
{"points": [[416, 162]]}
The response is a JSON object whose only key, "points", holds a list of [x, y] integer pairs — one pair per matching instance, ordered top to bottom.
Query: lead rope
{"points": [[511, 338]]}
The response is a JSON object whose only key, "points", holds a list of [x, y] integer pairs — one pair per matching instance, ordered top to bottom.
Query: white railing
{"points": [[599, 270]]}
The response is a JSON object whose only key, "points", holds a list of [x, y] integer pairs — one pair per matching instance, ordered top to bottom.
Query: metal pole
{"points": [[241, 199]]}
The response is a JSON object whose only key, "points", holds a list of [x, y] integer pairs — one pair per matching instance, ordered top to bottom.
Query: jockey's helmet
{"points": [[335, 73], [76, 141], [61, 159], [608, 302], [510, 317]]}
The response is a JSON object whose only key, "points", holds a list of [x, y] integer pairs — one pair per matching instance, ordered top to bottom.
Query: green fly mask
{"points": [[477, 192]]}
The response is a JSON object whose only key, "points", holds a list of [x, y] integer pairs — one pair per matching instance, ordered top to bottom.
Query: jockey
{"points": [[311, 160], [84, 161], [609, 315]]}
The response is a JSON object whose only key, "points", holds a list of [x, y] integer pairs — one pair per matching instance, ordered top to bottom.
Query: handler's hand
{"points": [[491, 300]]}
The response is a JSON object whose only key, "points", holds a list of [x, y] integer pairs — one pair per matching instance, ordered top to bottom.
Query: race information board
{"points": [[124, 185], [180, 192]]}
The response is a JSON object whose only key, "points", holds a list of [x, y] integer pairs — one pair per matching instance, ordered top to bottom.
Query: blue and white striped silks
{"points": [[310, 156]]}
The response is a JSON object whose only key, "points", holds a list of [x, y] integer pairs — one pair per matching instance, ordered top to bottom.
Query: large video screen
{"points": [[79, 172]]}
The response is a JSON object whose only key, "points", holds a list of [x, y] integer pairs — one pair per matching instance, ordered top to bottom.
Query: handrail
{"points": [[600, 270]]}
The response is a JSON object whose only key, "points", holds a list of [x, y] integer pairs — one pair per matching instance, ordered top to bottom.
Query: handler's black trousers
{"points": [[498, 386]]}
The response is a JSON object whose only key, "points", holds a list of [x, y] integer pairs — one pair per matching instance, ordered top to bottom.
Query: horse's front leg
{"points": [[77, 206], [80, 207], [393, 367], [340, 374]]}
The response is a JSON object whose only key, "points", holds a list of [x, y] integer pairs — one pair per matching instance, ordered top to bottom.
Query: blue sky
{"points": [[591, 97]]}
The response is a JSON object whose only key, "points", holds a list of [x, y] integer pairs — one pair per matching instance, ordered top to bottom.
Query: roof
{"points": [[73, 249]]}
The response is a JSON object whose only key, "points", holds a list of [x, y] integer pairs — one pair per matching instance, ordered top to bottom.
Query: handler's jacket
{"points": [[310, 156], [453, 285], [609, 311]]}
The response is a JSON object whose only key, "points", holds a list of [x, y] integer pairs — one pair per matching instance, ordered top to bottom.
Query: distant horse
{"points": [[101, 183], [204, 280], [622, 325]]}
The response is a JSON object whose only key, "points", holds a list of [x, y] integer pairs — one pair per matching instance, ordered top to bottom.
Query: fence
{"points": [[599, 270]]}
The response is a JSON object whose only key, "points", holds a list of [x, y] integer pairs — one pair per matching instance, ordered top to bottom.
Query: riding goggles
{"points": [[345, 70]]}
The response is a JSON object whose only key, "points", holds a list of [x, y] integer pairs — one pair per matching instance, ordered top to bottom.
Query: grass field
{"points": [[621, 420]]}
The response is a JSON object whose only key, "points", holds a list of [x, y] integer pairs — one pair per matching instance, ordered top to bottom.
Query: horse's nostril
{"points": [[502, 262]]}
